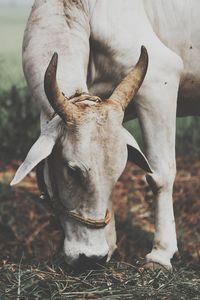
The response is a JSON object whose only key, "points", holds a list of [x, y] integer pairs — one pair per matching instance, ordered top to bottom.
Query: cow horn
{"points": [[129, 86], [58, 101]]}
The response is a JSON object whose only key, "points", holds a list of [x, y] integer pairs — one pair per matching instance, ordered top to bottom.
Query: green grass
{"points": [[12, 25], [19, 123], [187, 134]]}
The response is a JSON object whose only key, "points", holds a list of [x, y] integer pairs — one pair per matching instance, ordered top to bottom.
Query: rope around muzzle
{"points": [[90, 222]]}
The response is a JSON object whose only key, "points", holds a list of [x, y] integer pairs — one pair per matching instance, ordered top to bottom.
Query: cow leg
{"points": [[156, 109], [159, 138]]}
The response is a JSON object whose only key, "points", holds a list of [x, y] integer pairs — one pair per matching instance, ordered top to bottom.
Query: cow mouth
{"points": [[84, 263]]}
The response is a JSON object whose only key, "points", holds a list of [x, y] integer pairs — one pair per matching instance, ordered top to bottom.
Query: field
{"points": [[12, 24], [31, 260]]}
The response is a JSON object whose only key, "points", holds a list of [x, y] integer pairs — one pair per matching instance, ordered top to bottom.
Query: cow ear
{"points": [[39, 151], [134, 153]]}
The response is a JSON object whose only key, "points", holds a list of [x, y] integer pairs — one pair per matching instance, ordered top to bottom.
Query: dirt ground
{"points": [[28, 229], [32, 267]]}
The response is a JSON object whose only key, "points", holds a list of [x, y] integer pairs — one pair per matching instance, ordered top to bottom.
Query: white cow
{"points": [[97, 42]]}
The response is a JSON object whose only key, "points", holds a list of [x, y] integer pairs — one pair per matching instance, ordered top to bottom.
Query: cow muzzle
{"points": [[84, 247], [83, 262]]}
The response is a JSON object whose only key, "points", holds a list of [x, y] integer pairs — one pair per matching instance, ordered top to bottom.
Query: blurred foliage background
{"points": [[19, 116]]}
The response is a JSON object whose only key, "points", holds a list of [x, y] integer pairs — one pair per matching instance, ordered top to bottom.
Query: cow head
{"points": [[88, 148]]}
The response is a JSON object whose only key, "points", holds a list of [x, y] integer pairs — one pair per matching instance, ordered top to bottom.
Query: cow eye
{"points": [[76, 172]]}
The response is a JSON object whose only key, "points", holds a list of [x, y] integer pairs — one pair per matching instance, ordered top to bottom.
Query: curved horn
{"points": [[129, 86], [62, 107]]}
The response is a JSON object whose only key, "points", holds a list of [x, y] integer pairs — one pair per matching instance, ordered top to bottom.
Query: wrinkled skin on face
{"points": [[85, 147]]}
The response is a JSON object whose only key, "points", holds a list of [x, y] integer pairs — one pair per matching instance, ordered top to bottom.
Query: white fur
{"points": [[117, 29]]}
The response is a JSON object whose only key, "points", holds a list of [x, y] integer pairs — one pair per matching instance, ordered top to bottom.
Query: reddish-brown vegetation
{"points": [[27, 227]]}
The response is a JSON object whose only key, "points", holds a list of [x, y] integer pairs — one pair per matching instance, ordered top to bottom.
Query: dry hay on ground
{"points": [[116, 281]]}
